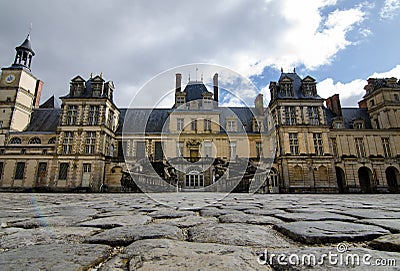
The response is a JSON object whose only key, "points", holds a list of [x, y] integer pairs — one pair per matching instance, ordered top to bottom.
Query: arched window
{"points": [[15, 140], [34, 140], [52, 140]]}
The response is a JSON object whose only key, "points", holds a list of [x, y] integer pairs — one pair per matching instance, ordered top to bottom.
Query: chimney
{"points": [[215, 79], [178, 85], [38, 93], [333, 103]]}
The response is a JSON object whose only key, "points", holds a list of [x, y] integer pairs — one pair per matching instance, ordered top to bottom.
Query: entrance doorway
{"points": [[41, 174], [364, 177], [392, 178], [194, 180], [341, 181]]}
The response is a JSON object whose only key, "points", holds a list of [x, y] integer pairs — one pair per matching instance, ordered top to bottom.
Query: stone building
{"points": [[88, 143]]}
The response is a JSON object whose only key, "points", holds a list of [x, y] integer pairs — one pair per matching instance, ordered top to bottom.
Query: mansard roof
{"points": [[297, 86], [349, 116]]}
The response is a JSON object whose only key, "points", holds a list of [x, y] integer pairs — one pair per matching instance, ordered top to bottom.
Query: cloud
{"points": [[390, 9], [131, 41], [352, 91]]}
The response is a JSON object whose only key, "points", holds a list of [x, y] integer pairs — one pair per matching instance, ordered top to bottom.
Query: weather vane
{"points": [[30, 28]]}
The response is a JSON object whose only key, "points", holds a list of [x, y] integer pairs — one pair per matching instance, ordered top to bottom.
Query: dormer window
{"points": [[287, 89], [96, 90], [309, 90], [180, 100], [207, 102], [338, 124], [358, 124], [231, 125], [256, 125]]}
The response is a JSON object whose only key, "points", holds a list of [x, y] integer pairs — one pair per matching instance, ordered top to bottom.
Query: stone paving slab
{"points": [[313, 216], [249, 219], [116, 221], [392, 225], [320, 232], [237, 234], [123, 236], [388, 243], [54, 257]]}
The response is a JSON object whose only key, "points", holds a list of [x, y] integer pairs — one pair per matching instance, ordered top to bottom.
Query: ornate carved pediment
{"points": [[193, 143]]}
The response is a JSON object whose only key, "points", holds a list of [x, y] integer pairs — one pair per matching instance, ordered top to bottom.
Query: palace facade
{"points": [[89, 143]]}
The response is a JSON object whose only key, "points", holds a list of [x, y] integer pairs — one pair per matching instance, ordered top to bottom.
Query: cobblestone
{"points": [[191, 231]]}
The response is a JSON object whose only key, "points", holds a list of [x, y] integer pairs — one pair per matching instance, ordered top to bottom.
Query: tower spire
{"points": [[24, 54]]}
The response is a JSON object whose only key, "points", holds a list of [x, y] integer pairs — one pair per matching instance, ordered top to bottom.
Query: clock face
{"points": [[10, 78]]}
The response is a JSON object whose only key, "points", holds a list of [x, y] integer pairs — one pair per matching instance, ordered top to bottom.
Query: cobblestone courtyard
{"points": [[196, 231]]}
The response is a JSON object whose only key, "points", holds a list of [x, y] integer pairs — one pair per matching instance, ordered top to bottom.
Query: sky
{"points": [[340, 43]]}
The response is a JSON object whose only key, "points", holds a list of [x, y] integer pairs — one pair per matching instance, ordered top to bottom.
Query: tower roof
{"points": [[26, 45], [194, 90]]}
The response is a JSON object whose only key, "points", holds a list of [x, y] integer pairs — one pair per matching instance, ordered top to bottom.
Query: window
{"points": [[287, 89], [309, 89], [396, 97], [8, 99], [180, 100], [207, 102], [372, 103], [72, 114], [94, 115], [290, 115], [313, 115], [110, 120], [1, 124], [180, 124], [194, 124], [358, 124], [377, 124], [207, 125], [231, 125], [338, 125], [256, 126], [15, 140], [35, 140], [52, 140], [67, 142], [90, 142], [294, 143], [107, 145], [318, 147], [334, 147], [360, 147], [386, 147], [179, 149], [207, 149], [258, 149], [232, 150], [87, 168], [1, 169], [19, 171], [63, 173], [194, 180]]}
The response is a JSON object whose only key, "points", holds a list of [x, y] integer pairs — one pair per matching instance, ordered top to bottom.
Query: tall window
{"points": [[287, 89], [396, 97], [72, 114], [94, 115], [290, 115], [313, 115], [110, 120], [1, 124], [179, 124], [194, 125], [207, 125], [231, 125], [67, 142], [90, 142], [294, 143], [318, 147], [334, 147], [360, 147], [386, 147], [179, 149], [207, 149], [258, 149], [232, 150], [87, 168], [1, 169], [19, 171], [63, 172]]}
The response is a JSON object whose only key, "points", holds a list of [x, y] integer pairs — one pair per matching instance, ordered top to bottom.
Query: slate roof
{"points": [[27, 45], [194, 90], [50, 103], [349, 115], [154, 119], [44, 120]]}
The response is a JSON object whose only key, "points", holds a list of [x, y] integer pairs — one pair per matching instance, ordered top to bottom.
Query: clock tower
{"points": [[19, 91]]}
